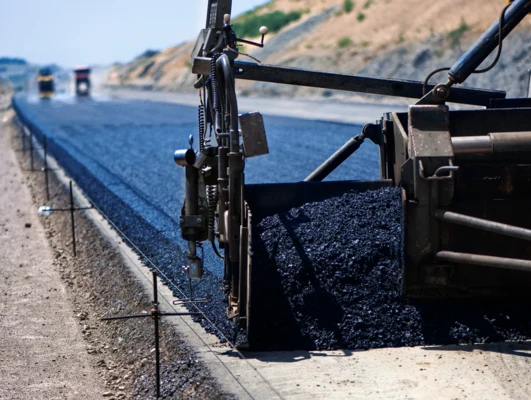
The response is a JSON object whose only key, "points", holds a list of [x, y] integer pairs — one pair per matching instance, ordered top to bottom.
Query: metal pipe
{"points": [[480, 50], [224, 66], [349, 83], [511, 142], [500, 145], [472, 146], [31, 151], [184, 158], [336, 159], [46, 168], [191, 208], [72, 209], [483, 224], [486, 261], [156, 318]]}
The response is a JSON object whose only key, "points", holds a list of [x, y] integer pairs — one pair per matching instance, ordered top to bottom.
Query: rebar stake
{"points": [[31, 151], [45, 169], [46, 211], [72, 218], [155, 314]]}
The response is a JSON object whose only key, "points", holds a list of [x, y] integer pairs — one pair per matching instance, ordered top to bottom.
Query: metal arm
{"points": [[480, 50]]}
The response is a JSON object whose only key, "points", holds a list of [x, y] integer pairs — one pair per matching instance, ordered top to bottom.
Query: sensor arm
{"points": [[484, 46]]}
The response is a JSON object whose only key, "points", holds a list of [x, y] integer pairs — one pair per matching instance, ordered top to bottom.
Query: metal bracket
{"points": [[253, 135], [450, 169], [192, 221]]}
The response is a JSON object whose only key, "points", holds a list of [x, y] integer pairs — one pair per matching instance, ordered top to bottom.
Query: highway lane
{"points": [[128, 145], [120, 152]]}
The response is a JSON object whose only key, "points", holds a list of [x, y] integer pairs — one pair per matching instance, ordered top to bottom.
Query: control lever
{"points": [[227, 28], [263, 31]]}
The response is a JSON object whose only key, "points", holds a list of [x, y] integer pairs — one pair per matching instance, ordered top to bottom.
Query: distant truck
{"points": [[82, 77], [46, 83]]}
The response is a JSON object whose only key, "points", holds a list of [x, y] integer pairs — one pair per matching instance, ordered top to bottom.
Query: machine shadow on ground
{"points": [[521, 349]]}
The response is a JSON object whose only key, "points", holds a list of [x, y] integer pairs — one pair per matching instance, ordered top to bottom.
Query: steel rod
{"points": [[482, 48], [349, 83], [23, 141], [472, 146], [31, 151], [336, 159], [46, 168], [72, 209], [75, 209], [483, 224], [486, 261], [155, 291], [178, 314], [146, 315], [125, 317], [156, 317], [157, 354]]}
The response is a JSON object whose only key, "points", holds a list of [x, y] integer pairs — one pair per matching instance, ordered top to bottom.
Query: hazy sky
{"points": [[74, 32]]}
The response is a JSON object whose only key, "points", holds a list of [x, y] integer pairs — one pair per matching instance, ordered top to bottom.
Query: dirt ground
{"points": [[43, 354]]}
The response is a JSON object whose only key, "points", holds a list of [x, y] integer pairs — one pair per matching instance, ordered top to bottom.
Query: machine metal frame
{"points": [[467, 168]]}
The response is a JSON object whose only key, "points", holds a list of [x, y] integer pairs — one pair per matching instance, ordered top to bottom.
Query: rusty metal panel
{"points": [[428, 132], [253, 135]]}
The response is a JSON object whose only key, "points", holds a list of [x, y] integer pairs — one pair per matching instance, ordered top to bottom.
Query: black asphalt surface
{"points": [[121, 154]]}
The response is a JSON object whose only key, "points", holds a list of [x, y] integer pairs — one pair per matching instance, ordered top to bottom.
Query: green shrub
{"points": [[368, 4], [348, 6], [252, 12], [360, 17], [275, 21], [455, 35], [344, 42]]}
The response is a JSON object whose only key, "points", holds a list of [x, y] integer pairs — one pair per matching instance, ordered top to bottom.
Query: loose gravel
{"points": [[328, 275]]}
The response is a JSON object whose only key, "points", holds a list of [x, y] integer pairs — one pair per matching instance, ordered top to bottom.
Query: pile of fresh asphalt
{"points": [[327, 275]]}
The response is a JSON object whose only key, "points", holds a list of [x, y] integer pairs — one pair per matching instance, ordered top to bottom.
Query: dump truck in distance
{"points": [[82, 77], [46, 83]]}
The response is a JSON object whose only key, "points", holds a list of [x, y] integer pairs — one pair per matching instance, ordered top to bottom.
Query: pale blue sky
{"points": [[77, 32]]}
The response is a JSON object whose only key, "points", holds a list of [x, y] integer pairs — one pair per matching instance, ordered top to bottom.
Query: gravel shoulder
{"points": [[60, 347], [43, 353]]}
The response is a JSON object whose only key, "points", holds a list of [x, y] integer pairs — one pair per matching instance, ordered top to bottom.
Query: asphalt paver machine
{"points": [[465, 174]]}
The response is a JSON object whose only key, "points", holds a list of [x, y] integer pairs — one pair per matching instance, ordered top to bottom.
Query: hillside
{"points": [[387, 38]]}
